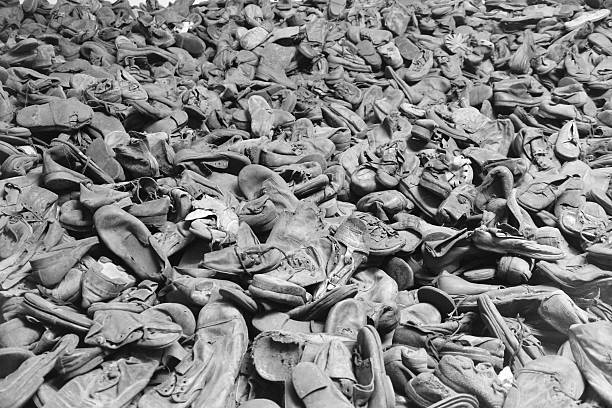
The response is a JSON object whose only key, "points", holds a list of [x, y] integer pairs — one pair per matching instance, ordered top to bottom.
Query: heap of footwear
{"points": [[325, 203]]}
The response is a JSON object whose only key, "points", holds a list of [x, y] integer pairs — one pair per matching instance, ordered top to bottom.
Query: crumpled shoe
{"points": [[60, 116], [65, 167], [255, 180], [542, 192], [95, 196], [353, 235], [130, 240], [383, 240], [497, 241], [50, 267], [576, 280], [102, 281], [278, 291], [133, 299], [319, 308], [561, 312], [55, 315], [346, 318], [282, 322], [112, 329], [224, 329], [18, 332], [590, 346], [523, 351], [276, 353], [80, 361], [370, 367], [28, 372], [480, 380], [547, 380], [116, 383], [185, 383], [315, 388], [426, 389]]}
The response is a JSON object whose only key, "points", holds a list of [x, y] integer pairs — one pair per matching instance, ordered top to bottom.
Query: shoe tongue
{"points": [[245, 237]]}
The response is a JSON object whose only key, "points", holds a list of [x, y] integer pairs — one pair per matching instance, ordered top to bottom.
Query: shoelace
{"points": [[595, 230], [255, 256]]}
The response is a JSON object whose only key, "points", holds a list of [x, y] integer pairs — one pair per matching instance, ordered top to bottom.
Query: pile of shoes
{"points": [[306, 204]]}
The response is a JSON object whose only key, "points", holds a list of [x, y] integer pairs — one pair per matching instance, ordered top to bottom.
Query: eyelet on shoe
{"points": [[166, 391]]}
